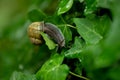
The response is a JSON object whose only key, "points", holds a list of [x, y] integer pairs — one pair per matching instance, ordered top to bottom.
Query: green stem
{"points": [[62, 19], [68, 25], [71, 26], [78, 76]]}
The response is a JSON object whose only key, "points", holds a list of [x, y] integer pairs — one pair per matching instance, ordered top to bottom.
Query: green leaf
{"points": [[81, 1], [104, 3], [64, 6], [91, 6], [36, 15], [102, 25], [86, 29], [66, 32], [51, 45], [76, 49], [53, 70], [21, 76]]}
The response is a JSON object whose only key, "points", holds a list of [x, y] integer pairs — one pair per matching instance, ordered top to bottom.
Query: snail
{"points": [[50, 29]]}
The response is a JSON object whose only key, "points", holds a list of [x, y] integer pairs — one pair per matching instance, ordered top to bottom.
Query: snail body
{"points": [[50, 29]]}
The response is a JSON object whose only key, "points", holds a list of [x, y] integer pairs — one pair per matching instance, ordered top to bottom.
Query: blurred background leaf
{"points": [[16, 51], [21, 76]]}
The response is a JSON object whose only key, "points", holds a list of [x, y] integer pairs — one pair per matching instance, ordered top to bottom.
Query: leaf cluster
{"points": [[91, 31]]}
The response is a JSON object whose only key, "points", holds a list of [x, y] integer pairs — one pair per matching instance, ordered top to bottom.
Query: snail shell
{"points": [[50, 29]]}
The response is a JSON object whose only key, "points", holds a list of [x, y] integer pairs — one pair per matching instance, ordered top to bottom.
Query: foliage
{"points": [[91, 30], [53, 67]]}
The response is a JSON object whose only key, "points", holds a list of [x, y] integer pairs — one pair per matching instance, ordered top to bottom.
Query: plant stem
{"points": [[62, 19], [68, 25], [71, 26], [78, 75]]}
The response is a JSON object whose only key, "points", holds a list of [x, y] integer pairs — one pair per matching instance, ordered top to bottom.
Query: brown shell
{"points": [[51, 30], [34, 32]]}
